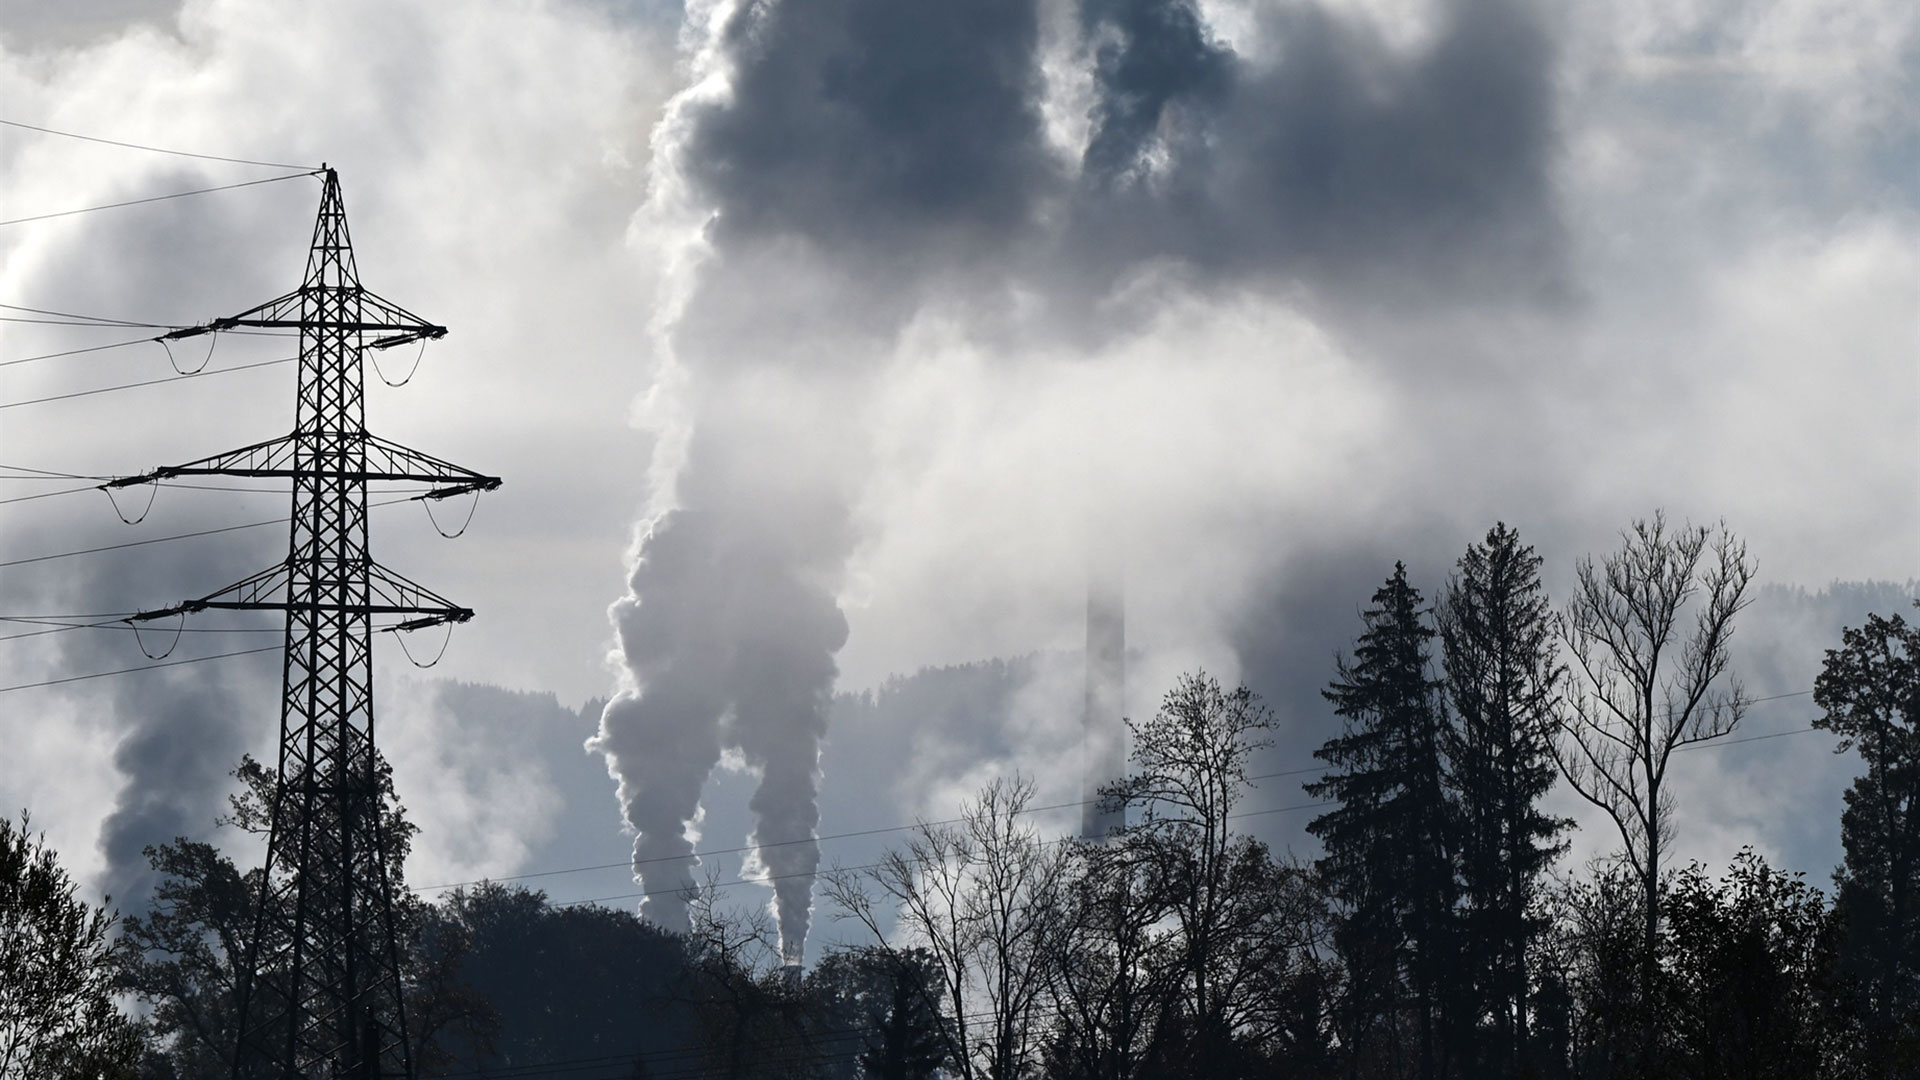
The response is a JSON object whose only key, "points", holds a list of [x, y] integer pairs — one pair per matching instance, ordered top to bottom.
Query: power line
{"points": [[156, 149], [151, 199], [69, 318], [89, 320], [67, 322], [120, 345], [75, 352], [148, 382], [45, 474], [171, 485], [47, 494], [176, 536], [65, 618], [122, 624], [60, 629], [144, 667], [1717, 742]]}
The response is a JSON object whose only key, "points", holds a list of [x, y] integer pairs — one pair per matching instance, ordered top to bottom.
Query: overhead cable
{"points": [[155, 149], [149, 199], [88, 320], [147, 382], [177, 536], [133, 670]]}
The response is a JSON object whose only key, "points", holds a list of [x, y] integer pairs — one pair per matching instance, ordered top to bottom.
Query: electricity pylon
{"points": [[320, 989]]}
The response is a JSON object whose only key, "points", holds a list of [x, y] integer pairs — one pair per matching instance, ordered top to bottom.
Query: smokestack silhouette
{"points": [[1104, 739]]}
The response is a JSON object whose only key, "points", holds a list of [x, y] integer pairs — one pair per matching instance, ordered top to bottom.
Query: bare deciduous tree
{"points": [[1648, 683], [984, 896]]}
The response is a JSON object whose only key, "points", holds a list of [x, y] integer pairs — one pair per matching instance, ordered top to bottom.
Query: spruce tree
{"points": [[1496, 637], [1386, 862]]}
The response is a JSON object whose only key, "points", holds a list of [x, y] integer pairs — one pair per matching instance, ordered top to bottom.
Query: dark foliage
{"points": [[1503, 681], [1870, 691], [1388, 867], [527, 984], [1750, 991], [885, 1006], [58, 1020]]}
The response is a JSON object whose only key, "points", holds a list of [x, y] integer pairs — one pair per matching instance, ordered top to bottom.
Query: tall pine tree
{"points": [[1496, 638], [1386, 863]]}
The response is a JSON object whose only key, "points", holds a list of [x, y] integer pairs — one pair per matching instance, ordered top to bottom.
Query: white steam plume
{"points": [[728, 632]]}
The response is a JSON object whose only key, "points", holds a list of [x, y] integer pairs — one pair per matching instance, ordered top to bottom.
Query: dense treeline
{"points": [[1438, 933]]}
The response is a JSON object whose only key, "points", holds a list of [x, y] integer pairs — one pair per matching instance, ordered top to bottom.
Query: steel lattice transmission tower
{"points": [[320, 992]]}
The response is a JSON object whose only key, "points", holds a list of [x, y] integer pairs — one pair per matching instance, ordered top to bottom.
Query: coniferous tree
{"points": [[1496, 635], [1870, 691], [1386, 862]]}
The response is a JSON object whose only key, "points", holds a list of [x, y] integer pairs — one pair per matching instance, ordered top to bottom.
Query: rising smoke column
{"points": [[922, 116], [838, 168], [729, 631]]}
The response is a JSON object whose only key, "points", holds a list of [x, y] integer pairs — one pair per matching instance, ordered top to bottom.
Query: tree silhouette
{"points": [[1503, 681], [1647, 686], [1869, 690], [1387, 865], [985, 898], [1202, 934], [183, 957], [524, 983], [1750, 988], [887, 1000], [58, 1020]]}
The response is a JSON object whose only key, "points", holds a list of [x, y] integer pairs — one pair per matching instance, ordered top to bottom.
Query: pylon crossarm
{"points": [[394, 324], [400, 326], [274, 457], [405, 463], [247, 594], [388, 594], [399, 596], [429, 616]]}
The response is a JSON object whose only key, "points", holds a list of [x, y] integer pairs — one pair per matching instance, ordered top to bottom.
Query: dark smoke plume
{"points": [[836, 167]]}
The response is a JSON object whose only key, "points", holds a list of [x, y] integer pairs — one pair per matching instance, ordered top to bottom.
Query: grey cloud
{"points": [[1152, 59], [859, 123], [904, 139], [1335, 161], [186, 730]]}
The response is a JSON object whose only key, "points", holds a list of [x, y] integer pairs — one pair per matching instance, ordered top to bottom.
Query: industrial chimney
{"points": [[1104, 739]]}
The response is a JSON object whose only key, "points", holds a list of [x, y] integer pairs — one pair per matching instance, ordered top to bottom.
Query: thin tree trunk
{"points": [[1650, 958]]}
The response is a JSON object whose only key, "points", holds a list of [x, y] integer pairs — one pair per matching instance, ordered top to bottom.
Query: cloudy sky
{"points": [[878, 316]]}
